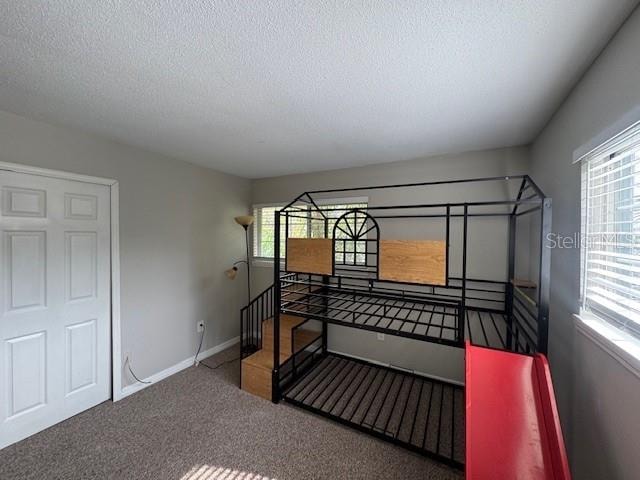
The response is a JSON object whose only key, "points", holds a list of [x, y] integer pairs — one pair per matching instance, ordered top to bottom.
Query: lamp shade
{"points": [[245, 220], [231, 273]]}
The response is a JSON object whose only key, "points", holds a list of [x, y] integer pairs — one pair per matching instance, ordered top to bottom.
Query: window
{"points": [[263, 232], [610, 279]]}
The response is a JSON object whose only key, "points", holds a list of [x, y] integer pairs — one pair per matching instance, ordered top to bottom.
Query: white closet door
{"points": [[55, 304]]}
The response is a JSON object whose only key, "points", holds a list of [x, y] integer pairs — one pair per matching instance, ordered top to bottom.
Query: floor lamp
{"points": [[244, 221]]}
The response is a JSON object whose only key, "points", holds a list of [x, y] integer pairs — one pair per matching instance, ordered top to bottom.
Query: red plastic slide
{"points": [[512, 425]]}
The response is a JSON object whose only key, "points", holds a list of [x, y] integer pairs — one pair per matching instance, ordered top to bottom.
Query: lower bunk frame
{"points": [[419, 413]]}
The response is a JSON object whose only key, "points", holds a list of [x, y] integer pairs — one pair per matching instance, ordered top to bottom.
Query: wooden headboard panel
{"points": [[310, 255], [414, 261]]}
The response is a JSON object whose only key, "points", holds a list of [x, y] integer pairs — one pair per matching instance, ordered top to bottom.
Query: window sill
{"points": [[261, 262], [264, 262], [619, 345]]}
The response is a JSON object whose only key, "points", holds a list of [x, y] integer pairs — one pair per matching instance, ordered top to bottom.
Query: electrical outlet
{"points": [[200, 326], [381, 337]]}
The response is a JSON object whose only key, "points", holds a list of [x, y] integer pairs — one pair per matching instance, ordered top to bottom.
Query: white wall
{"points": [[177, 236], [487, 238], [598, 398]]}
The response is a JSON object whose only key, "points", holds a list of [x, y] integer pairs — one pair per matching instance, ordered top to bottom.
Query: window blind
{"points": [[610, 279]]}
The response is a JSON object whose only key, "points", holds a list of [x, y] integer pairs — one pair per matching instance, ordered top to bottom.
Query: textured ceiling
{"points": [[261, 88]]}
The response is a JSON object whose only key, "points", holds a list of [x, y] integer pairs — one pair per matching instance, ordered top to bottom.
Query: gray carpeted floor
{"points": [[197, 425]]}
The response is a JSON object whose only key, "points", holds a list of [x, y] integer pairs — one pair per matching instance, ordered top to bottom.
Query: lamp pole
{"points": [[245, 221], [246, 241]]}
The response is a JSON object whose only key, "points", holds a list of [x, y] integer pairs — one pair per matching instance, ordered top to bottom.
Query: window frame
{"points": [[256, 230]]}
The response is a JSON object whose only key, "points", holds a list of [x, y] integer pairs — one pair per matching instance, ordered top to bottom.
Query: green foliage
{"points": [[308, 224]]}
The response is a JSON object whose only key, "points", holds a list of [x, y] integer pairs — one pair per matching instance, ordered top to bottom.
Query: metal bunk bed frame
{"points": [[356, 297]]}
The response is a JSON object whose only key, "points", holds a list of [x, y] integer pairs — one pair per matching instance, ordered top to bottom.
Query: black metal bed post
{"points": [[447, 241], [510, 277], [544, 277], [509, 290], [325, 291], [463, 310], [275, 374]]}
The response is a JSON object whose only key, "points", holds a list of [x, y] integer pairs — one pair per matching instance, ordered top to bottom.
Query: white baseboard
{"points": [[167, 372], [422, 374]]}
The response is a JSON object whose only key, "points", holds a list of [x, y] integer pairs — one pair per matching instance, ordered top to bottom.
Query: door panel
{"points": [[23, 202], [80, 207], [81, 261], [25, 269], [55, 301], [81, 354], [26, 373]]}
